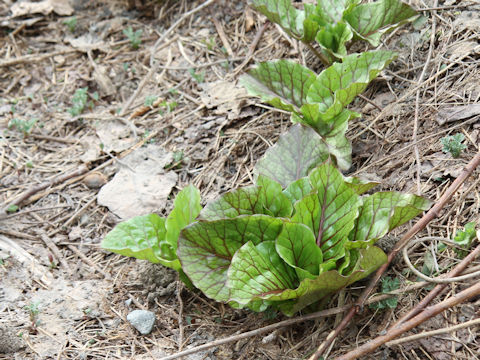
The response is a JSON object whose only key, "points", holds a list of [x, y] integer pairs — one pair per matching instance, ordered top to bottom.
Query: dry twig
{"points": [[37, 188], [428, 313]]}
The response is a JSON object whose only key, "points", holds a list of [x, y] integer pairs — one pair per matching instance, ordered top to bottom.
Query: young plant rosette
{"points": [[333, 24], [264, 246]]}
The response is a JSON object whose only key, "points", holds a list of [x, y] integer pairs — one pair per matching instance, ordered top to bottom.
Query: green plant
{"points": [[71, 23], [333, 23], [135, 37], [199, 77], [149, 100], [79, 101], [316, 101], [169, 106], [24, 126], [453, 144], [177, 160], [154, 238], [464, 238], [263, 246], [388, 285], [33, 312]]}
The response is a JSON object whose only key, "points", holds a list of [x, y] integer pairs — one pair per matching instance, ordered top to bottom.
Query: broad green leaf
{"points": [[331, 11], [283, 13], [370, 21], [311, 24], [333, 39], [282, 83], [340, 83], [332, 132], [339, 146], [297, 152], [359, 185], [298, 189], [265, 198], [243, 201], [275, 202], [412, 206], [186, 208], [383, 211], [330, 212], [142, 237], [297, 247], [206, 248], [258, 270], [312, 290]]}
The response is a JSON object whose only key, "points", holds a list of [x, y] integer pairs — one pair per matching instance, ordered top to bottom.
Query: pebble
{"points": [[95, 180], [142, 320]]}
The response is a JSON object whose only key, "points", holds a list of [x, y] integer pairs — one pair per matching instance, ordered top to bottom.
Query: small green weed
{"points": [[71, 23], [135, 37], [210, 43], [199, 77], [149, 100], [79, 101], [169, 106], [24, 126], [453, 144], [177, 160], [464, 238], [51, 260], [388, 285], [33, 312]]}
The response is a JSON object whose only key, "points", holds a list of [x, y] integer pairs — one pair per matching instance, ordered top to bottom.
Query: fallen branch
{"points": [[34, 57], [37, 188], [421, 224], [457, 270], [428, 313], [434, 332]]}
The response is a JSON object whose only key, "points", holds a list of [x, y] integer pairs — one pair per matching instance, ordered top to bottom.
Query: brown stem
{"points": [[319, 55], [422, 223], [457, 270], [466, 294]]}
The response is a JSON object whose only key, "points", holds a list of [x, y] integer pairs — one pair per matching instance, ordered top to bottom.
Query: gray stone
{"points": [[142, 320], [9, 341]]}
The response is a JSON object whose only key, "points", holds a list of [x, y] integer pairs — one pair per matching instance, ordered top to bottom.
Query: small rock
{"points": [[95, 180], [142, 320], [9, 342]]}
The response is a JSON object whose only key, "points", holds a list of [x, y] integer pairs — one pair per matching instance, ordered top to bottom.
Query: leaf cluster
{"points": [[331, 24], [135, 37], [79, 101], [318, 102], [23, 126], [453, 144], [154, 238], [464, 238], [264, 246], [267, 246], [388, 285]]}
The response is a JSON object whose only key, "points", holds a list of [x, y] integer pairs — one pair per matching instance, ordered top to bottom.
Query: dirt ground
{"points": [[87, 105]]}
